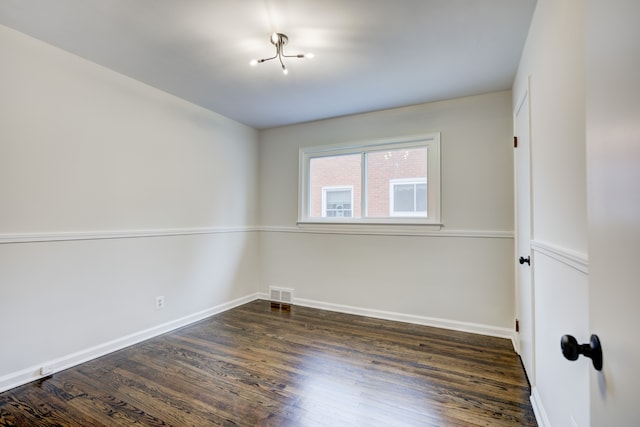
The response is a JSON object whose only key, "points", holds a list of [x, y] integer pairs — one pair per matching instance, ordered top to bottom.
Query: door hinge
{"points": [[515, 142], [517, 325]]}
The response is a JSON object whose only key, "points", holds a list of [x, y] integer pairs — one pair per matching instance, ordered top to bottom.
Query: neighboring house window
{"points": [[388, 182], [408, 197], [337, 202]]}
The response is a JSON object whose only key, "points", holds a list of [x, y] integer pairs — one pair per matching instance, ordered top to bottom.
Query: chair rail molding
{"points": [[117, 234], [573, 259]]}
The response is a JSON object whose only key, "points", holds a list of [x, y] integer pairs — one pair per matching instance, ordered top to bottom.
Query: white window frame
{"points": [[430, 141], [405, 181], [335, 188]]}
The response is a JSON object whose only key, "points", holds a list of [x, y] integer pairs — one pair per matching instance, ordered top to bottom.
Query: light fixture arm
{"points": [[279, 40], [260, 61], [284, 68]]}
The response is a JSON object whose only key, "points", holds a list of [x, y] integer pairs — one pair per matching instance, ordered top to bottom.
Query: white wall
{"points": [[553, 59], [87, 154], [432, 279]]}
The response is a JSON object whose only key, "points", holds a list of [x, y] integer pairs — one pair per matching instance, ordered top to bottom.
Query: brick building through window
{"points": [[396, 184]]}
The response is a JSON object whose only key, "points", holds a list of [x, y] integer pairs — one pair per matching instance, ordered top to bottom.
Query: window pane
{"points": [[383, 167], [331, 180], [403, 198], [421, 198], [338, 203]]}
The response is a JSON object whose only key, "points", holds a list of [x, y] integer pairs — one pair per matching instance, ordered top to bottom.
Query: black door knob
{"points": [[522, 260], [593, 350]]}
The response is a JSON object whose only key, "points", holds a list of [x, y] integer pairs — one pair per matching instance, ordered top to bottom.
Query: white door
{"points": [[613, 191], [524, 293]]}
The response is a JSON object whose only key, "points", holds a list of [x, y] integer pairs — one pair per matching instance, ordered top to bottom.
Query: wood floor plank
{"points": [[257, 366], [41, 404]]}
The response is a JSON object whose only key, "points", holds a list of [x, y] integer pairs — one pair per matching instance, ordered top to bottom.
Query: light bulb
{"points": [[274, 38], [309, 55], [253, 62], [284, 70]]}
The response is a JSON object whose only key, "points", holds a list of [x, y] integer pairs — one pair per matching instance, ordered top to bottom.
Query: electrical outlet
{"points": [[159, 302]]}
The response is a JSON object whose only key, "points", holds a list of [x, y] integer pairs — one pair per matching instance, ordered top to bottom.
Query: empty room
{"points": [[301, 213]]}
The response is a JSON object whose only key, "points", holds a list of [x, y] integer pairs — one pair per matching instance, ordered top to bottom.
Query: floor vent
{"points": [[281, 298]]}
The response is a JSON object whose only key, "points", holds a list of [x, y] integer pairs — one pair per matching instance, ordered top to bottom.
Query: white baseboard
{"points": [[454, 325], [32, 373], [538, 409]]}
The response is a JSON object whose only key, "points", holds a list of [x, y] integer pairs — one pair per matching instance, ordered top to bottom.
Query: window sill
{"points": [[409, 228]]}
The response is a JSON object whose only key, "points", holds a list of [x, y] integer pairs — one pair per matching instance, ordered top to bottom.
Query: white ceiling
{"points": [[369, 54]]}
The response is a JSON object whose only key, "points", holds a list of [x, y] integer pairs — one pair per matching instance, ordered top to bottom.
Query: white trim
{"points": [[522, 98], [430, 141], [399, 142], [311, 228], [387, 230], [116, 234], [573, 259], [524, 303], [475, 328], [516, 343], [32, 373], [538, 409]]}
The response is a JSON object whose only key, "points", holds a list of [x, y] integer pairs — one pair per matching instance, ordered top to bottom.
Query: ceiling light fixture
{"points": [[279, 40]]}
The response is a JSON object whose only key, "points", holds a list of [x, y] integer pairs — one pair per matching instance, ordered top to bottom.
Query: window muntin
{"points": [[387, 182]]}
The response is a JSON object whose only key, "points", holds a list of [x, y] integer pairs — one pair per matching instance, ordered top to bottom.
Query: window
{"points": [[387, 182], [408, 197], [337, 202]]}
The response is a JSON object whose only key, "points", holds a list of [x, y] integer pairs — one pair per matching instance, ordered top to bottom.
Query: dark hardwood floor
{"points": [[256, 366]]}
